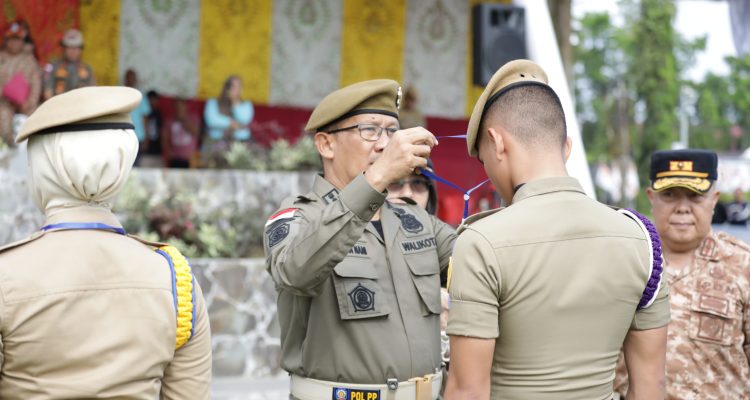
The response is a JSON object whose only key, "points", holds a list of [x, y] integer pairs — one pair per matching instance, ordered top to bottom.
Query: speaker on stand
{"points": [[499, 37]]}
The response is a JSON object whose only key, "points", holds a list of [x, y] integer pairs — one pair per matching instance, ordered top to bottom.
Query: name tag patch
{"points": [[417, 245], [358, 249], [355, 394]]}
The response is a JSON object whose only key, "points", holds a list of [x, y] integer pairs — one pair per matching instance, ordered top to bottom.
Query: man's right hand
{"points": [[406, 150]]}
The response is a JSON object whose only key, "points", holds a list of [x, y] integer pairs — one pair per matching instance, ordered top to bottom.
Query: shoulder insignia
{"points": [[474, 218], [34, 236], [733, 240], [147, 242], [708, 248], [656, 261], [183, 292]]}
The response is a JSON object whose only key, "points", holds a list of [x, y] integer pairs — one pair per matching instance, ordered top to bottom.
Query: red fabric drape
{"points": [[48, 20]]}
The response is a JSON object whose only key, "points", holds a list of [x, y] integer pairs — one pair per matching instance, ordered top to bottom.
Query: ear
{"points": [[496, 140], [325, 143], [568, 147], [650, 194], [715, 197]]}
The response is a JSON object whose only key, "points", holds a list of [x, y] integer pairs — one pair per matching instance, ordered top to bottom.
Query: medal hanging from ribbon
{"points": [[467, 193]]}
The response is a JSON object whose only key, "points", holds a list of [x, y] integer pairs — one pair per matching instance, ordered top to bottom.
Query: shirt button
{"points": [[374, 206]]}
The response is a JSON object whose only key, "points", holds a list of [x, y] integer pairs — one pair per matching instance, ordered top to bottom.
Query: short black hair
{"points": [[531, 113]]}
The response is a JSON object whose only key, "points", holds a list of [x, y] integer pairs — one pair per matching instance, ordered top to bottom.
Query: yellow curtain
{"points": [[100, 25], [235, 39], [372, 40], [473, 91]]}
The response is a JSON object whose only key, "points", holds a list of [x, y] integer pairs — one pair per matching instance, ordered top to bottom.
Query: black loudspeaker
{"points": [[499, 37]]}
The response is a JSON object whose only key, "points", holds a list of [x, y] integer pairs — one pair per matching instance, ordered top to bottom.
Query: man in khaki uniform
{"points": [[70, 72], [358, 278], [545, 291], [87, 311], [708, 346]]}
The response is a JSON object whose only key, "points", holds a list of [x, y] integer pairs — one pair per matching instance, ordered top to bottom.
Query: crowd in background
{"points": [[181, 140]]}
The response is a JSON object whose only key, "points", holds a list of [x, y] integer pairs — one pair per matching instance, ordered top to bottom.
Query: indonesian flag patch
{"points": [[287, 213]]}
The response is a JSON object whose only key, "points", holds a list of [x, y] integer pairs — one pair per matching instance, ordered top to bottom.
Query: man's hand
{"points": [[406, 150]]}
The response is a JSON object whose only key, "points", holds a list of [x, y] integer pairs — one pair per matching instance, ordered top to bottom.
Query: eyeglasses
{"points": [[368, 132], [418, 185]]}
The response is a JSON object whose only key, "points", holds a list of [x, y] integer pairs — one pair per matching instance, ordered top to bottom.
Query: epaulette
{"points": [[474, 218], [34, 236], [733, 240], [183, 292]]}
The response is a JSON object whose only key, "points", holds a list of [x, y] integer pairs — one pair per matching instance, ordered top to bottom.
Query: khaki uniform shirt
{"points": [[63, 76], [555, 279], [354, 307], [90, 314], [708, 343]]}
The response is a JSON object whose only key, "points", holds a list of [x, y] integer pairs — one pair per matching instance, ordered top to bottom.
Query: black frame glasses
{"points": [[368, 132]]}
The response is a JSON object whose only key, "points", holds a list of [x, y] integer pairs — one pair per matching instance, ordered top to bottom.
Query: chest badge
{"points": [[411, 223], [362, 298]]}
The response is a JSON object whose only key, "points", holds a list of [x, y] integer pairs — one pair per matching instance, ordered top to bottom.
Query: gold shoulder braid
{"points": [[183, 291]]}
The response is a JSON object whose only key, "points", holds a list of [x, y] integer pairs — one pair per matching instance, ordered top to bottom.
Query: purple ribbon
{"points": [[654, 281]]}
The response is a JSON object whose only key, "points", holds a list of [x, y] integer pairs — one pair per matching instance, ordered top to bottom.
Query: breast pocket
{"points": [[425, 271], [358, 292], [712, 318]]}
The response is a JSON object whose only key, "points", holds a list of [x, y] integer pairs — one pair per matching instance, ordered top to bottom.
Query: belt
{"points": [[422, 388]]}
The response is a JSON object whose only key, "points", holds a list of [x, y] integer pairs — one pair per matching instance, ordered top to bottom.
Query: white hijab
{"points": [[71, 169]]}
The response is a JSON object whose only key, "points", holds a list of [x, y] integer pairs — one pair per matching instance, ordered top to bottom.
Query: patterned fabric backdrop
{"points": [[160, 39], [235, 39], [306, 51], [288, 52], [436, 54]]}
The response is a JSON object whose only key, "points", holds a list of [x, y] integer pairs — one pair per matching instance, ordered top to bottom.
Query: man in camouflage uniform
{"points": [[70, 72], [709, 273]]}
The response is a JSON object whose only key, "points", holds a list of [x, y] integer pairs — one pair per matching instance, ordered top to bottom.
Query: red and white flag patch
{"points": [[287, 213]]}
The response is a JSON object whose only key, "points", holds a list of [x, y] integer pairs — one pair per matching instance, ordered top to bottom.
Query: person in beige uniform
{"points": [[358, 278], [545, 291], [89, 312], [708, 346]]}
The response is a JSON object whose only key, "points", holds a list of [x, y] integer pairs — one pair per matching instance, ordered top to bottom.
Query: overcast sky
{"points": [[694, 18]]}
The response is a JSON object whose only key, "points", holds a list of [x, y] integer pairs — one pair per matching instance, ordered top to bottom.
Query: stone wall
{"points": [[241, 302]]}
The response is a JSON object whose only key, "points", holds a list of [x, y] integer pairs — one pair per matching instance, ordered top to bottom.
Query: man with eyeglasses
{"points": [[358, 278]]}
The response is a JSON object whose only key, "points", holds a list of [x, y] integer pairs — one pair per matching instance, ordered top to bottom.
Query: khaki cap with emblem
{"points": [[72, 38], [511, 75], [377, 96], [84, 109], [691, 169]]}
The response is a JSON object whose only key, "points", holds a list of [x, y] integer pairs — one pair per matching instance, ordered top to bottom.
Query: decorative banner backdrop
{"points": [[100, 25], [235, 39], [159, 40], [373, 40], [306, 51], [435, 55]]}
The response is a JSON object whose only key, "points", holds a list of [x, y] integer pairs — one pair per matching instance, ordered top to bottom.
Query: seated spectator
{"points": [[20, 80], [229, 117], [180, 141], [153, 156], [738, 210]]}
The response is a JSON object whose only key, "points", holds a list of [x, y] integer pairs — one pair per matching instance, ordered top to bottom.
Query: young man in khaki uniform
{"points": [[358, 278], [545, 291], [87, 311], [708, 346]]}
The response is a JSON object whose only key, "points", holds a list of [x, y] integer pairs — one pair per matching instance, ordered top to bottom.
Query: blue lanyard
{"points": [[467, 193], [83, 226]]}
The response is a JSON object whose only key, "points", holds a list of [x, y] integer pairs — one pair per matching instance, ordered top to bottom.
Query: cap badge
{"points": [[398, 98], [681, 166]]}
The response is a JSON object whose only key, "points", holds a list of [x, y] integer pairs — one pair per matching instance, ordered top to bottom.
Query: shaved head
{"points": [[533, 114]]}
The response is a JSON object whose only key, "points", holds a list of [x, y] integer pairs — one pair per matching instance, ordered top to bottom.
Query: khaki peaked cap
{"points": [[513, 74], [377, 96], [83, 109]]}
